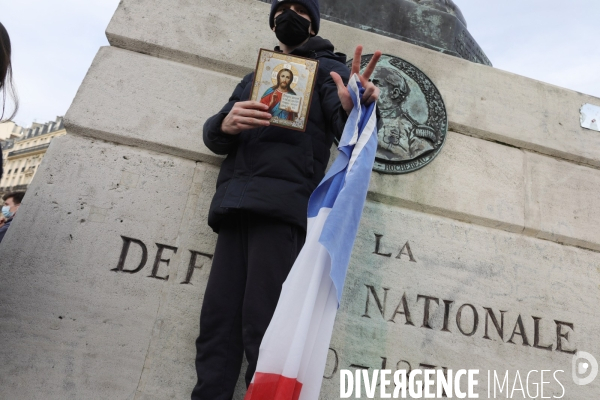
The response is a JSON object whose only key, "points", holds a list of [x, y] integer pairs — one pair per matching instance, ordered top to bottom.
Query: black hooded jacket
{"points": [[273, 170]]}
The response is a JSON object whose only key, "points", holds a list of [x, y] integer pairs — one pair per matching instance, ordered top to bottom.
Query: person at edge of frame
{"points": [[6, 81], [12, 202], [260, 205]]}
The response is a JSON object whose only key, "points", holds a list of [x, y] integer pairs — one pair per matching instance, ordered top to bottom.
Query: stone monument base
{"points": [[487, 258]]}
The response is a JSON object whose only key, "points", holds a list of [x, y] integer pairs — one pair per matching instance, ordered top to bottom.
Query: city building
{"points": [[10, 130], [22, 154]]}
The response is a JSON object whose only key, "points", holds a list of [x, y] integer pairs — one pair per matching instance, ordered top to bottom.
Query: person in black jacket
{"points": [[260, 205]]}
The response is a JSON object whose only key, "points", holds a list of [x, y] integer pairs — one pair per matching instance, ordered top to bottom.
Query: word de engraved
{"points": [[158, 259], [521, 331]]}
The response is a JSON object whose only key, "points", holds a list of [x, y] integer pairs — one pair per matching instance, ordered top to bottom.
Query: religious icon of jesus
{"points": [[285, 83], [273, 95]]}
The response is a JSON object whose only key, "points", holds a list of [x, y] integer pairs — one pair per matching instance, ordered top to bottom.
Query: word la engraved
{"points": [[404, 250], [158, 259], [520, 333]]}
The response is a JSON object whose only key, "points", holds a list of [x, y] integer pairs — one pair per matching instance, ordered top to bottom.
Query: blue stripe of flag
{"points": [[345, 192]]}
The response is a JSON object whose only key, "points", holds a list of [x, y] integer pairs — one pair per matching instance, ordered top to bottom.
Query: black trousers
{"points": [[252, 259]]}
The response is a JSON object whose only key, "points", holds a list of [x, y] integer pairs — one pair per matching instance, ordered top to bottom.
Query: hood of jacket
{"points": [[316, 47]]}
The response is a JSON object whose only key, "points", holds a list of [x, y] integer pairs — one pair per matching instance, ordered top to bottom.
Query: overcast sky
{"points": [[54, 42]]}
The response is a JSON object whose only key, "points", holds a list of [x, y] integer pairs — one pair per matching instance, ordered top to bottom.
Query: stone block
{"points": [[222, 36], [148, 102], [485, 102], [492, 104], [167, 115], [471, 180], [562, 201], [455, 270], [82, 317], [71, 325]]}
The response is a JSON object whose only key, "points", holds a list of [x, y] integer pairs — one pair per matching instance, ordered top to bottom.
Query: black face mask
{"points": [[291, 29]]}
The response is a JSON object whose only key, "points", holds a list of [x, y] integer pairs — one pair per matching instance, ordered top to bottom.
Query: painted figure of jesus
{"points": [[272, 96]]}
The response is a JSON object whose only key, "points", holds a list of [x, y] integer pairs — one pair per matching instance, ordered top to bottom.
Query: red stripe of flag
{"points": [[273, 387]]}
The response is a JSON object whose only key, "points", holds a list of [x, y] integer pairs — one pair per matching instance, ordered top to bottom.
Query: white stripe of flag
{"points": [[294, 349]]}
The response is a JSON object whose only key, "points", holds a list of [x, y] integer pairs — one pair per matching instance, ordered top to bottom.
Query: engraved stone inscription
{"points": [[125, 251], [404, 253], [159, 259], [196, 261], [192, 266], [425, 292], [466, 321], [336, 362]]}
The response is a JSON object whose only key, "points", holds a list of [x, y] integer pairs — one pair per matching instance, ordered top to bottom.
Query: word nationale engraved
{"points": [[466, 319], [521, 331]]}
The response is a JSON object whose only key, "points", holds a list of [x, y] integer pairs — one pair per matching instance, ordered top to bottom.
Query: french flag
{"points": [[293, 351]]}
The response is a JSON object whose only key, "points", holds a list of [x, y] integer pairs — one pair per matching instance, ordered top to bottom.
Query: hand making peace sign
{"points": [[371, 91]]}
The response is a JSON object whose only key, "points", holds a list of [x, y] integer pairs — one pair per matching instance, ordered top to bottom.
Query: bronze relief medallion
{"points": [[413, 114]]}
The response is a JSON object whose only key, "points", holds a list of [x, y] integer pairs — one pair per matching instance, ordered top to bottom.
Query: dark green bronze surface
{"points": [[434, 24], [413, 116]]}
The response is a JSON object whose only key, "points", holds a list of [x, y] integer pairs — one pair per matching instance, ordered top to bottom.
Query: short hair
{"points": [[279, 75], [394, 79], [398, 82], [16, 196]]}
